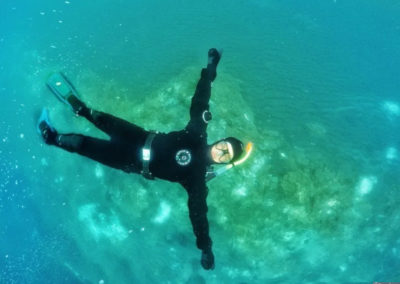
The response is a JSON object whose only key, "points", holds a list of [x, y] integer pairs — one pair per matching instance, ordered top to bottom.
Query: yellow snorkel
{"points": [[248, 149]]}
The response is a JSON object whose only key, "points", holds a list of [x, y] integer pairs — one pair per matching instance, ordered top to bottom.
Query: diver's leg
{"points": [[113, 126], [102, 151], [111, 153]]}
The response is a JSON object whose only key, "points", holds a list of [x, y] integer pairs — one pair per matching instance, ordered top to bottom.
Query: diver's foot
{"points": [[214, 56], [44, 128]]}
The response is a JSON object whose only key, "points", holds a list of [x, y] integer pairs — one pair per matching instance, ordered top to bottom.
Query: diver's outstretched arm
{"points": [[199, 108], [197, 204]]}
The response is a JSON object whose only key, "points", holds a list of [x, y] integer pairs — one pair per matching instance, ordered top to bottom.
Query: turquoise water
{"points": [[314, 85]]}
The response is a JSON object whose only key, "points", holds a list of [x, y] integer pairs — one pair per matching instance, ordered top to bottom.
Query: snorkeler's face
{"points": [[222, 152]]}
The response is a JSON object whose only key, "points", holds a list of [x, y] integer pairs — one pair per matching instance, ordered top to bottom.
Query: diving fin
{"points": [[62, 88]]}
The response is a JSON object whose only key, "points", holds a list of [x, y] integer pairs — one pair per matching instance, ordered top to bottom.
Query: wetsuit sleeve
{"points": [[200, 103], [198, 213]]}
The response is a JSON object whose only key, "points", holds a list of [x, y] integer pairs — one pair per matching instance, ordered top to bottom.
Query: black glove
{"points": [[214, 56], [213, 59], [207, 259]]}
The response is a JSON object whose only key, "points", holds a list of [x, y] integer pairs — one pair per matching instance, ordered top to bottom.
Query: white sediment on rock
{"points": [[98, 171], [366, 184], [241, 191], [332, 203], [163, 214], [101, 225]]}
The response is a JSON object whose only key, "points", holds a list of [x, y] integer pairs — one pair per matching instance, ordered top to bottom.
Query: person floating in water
{"points": [[179, 156]]}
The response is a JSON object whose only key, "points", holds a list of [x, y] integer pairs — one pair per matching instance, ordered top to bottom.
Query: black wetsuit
{"points": [[124, 151]]}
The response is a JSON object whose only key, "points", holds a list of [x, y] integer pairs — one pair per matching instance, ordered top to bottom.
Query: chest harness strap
{"points": [[146, 155]]}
